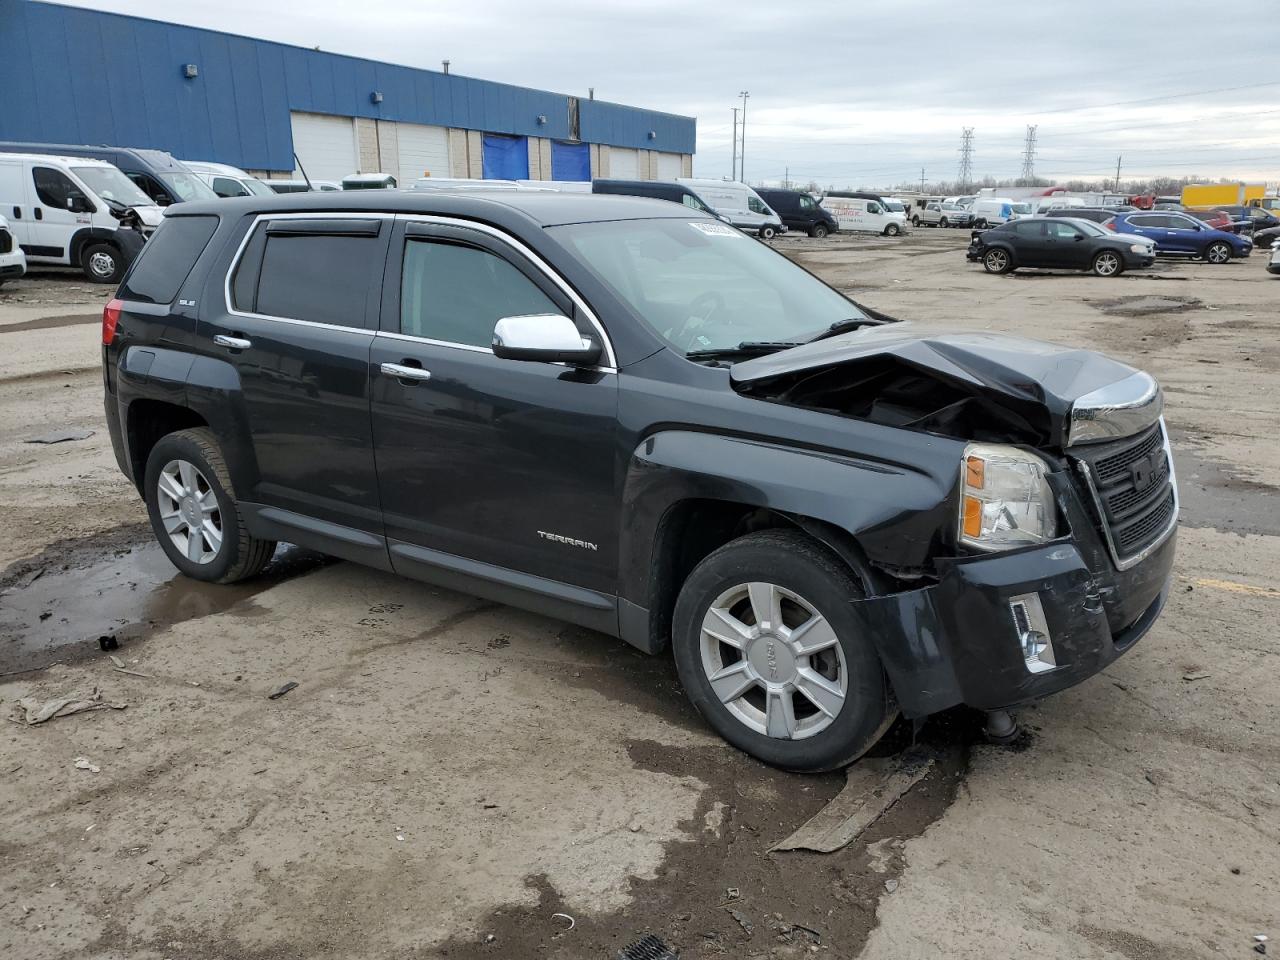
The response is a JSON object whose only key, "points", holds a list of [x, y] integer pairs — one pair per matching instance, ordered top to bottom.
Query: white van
{"points": [[228, 181], [738, 204], [1041, 204], [73, 211], [992, 211], [856, 213], [13, 262]]}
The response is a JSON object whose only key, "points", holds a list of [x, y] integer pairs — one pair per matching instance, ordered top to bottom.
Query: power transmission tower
{"points": [[1029, 154], [966, 158], [922, 179]]}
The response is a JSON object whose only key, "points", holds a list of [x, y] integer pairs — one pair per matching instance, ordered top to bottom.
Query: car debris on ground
{"points": [[33, 711]]}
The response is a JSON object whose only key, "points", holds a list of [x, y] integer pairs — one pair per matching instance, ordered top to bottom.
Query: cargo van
{"points": [[156, 173], [228, 181], [668, 190], [737, 204], [75, 211], [799, 211], [992, 211], [855, 213]]}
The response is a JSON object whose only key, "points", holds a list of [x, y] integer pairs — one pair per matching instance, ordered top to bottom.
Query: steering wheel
{"points": [[702, 309]]}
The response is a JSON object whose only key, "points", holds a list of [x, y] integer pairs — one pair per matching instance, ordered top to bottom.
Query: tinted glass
{"points": [[112, 185], [226, 187], [54, 188], [807, 204], [1149, 221], [1181, 223], [1030, 228], [1062, 231], [167, 258], [324, 279], [457, 293]]}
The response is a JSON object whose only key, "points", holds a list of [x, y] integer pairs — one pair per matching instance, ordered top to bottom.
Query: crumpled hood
{"points": [[149, 214], [1030, 377]]}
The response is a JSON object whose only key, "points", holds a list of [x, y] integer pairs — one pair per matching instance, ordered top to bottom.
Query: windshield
{"points": [[112, 185], [188, 186], [256, 186], [1021, 207], [703, 285]]}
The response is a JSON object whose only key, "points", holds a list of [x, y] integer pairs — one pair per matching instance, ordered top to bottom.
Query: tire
{"points": [[915, 221], [943, 222], [981, 223], [892, 230], [819, 231], [768, 232], [1218, 252], [997, 260], [102, 262], [1107, 263], [237, 555], [811, 586]]}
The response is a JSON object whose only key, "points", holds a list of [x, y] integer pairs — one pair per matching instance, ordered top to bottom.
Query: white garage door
{"points": [[326, 145], [422, 148], [624, 164], [669, 166]]}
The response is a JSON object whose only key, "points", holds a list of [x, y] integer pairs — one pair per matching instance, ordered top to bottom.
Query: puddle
{"points": [[55, 610]]}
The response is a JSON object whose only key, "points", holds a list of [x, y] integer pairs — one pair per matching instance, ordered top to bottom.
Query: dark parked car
{"points": [[158, 174], [667, 190], [799, 211], [1096, 214], [1252, 219], [1180, 234], [1265, 239], [1064, 243], [625, 414]]}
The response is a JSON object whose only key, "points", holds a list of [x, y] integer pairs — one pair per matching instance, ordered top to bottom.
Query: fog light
{"points": [[1033, 633]]}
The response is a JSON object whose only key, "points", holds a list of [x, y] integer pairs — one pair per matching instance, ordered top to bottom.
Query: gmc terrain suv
{"points": [[628, 415]]}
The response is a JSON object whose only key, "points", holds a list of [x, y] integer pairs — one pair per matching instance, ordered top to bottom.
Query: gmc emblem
{"points": [[1143, 472]]}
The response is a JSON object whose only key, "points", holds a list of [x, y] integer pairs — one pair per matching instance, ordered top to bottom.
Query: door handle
{"points": [[17, 213], [39, 214], [232, 343], [403, 372]]}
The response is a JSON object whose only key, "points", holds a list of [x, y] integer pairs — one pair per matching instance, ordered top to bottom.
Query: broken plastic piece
{"points": [[59, 436], [282, 690], [33, 711], [572, 923], [647, 948]]}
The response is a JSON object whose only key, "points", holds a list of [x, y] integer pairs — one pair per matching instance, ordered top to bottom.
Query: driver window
{"points": [[151, 187], [54, 188], [689, 200], [806, 203], [874, 207], [1063, 231], [456, 293]]}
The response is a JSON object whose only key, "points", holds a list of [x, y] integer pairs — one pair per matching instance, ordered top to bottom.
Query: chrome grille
{"points": [[1132, 485]]}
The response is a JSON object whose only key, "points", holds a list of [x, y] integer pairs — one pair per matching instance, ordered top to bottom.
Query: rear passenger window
{"points": [[167, 259], [321, 278], [456, 293]]}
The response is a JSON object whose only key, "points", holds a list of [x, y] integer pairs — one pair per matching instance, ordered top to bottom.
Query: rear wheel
{"points": [[915, 221], [943, 222], [980, 223], [892, 230], [818, 231], [1218, 252], [997, 261], [102, 263], [1107, 263], [194, 514], [773, 655]]}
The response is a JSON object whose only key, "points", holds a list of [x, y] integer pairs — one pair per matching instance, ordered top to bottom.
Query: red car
{"points": [[1218, 219]]}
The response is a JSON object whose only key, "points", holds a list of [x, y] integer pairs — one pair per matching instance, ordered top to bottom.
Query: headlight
{"points": [[1140, 248], [1005, 499]]}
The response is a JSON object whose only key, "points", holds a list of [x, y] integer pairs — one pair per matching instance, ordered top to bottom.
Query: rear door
{"points": [[1030, 243], [296, 322], [486, 464]]}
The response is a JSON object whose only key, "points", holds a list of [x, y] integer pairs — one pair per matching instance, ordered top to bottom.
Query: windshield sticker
{"points": [[717, 229]]}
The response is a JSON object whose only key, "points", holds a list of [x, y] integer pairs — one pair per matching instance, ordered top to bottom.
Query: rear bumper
{"points": [[956, 642]]}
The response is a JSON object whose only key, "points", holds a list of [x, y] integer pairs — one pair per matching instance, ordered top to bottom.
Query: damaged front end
{"points": [[1065, 505]]}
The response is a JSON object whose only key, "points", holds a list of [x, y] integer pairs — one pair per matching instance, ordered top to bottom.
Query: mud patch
{"points": [[1145, 306], [48, 323], [1212, 494], [55, 606], [718, 892]]}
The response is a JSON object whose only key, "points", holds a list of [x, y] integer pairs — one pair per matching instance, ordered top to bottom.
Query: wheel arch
{"points": [[87, 235], [147, 420]]}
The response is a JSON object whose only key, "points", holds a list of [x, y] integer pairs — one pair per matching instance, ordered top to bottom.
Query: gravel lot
{"points": [[450, 773]]}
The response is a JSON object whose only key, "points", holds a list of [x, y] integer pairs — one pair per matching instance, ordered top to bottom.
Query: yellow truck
{"points": [[1196, 195]]}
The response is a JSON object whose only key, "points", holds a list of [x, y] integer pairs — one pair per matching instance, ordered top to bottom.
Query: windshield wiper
{"points": [[873, 318], [748, 348]]}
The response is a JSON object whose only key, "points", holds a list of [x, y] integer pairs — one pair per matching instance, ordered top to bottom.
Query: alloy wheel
{"points": [[1219, 253], [997, 260], [1106, 264], [189, 511], [773, 661]]}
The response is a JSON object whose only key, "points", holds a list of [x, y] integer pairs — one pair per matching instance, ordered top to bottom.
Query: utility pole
{"points": [[742, 154], [1029, 155], [966, 157], [1118, 159], [734, 174], [786, 177], [922, 179]]}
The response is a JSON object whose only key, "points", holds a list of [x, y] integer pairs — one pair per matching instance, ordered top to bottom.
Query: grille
{"points": [[6, 241], [1132, 479]]}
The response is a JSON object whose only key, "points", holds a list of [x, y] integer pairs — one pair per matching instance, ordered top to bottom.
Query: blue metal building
{"points": [[71, 75]]}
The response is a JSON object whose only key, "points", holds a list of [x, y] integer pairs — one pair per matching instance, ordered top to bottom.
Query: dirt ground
{"points": [[453, 778]]}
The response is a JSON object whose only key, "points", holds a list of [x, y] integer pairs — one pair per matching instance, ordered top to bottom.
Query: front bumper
{"points": [[12, 264], [956, 641]]}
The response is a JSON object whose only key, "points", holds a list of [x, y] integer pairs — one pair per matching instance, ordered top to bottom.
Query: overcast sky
{"points": [[855, 93]]}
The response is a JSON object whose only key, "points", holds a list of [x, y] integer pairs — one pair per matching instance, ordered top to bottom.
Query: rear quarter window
{"points": [[167, 259]]}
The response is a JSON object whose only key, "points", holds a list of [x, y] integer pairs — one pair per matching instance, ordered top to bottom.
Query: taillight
{"points": [[1110, 225], [110, 317]]}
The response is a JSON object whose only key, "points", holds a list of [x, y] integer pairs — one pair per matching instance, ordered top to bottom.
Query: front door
{"points": [[52, 224], [1067, 246], [304, 303], [502, 469]]}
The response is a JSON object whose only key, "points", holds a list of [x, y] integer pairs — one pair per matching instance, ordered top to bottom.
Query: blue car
{"points": [[1178, 234]]}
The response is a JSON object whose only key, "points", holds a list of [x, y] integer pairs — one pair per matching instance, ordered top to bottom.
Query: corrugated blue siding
{"points": [[81, 76]]}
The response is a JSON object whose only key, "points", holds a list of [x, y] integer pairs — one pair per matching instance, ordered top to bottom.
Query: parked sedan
{"points": [[1179, 234], [1066, 243], [1273, 265]]}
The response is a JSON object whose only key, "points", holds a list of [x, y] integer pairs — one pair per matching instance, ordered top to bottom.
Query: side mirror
{"points": [[78, 204], [1079, 236], [549, 337]]}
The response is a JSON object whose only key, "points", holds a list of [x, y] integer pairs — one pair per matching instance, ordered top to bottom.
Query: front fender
{"points": [[896, 513]]}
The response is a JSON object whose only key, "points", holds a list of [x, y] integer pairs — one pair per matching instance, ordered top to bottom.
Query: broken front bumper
{"points": [[958, 641]]}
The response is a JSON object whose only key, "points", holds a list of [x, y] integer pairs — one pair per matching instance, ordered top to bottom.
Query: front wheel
{"points": [[915, 221], [943, 222], [892, 230], [819, 231], [768, 232], [1218, 252], [997, 261], [102, 263], [1107, 263], [193, 513], [772, 654]]}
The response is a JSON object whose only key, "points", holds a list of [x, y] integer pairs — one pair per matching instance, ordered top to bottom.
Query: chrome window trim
{"points": [[518, 246], [559, 282], [1124, 563]]}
